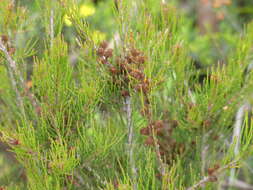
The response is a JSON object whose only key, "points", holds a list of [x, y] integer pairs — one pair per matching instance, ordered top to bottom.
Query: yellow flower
{"points": [[87, 10], [67, 20], [98, 36]]}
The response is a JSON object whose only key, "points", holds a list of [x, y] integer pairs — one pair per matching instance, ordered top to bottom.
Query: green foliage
{"points": [[66, 119]]}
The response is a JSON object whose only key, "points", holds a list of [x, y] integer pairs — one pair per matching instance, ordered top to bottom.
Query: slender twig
{"points": [[51, 27], [11, 68], [17, 80], [190, 94], [128, 100], [237, 134], [130, 147], [204, 151], [162, 166], [96, 175], [210, 178], [239, 184]]}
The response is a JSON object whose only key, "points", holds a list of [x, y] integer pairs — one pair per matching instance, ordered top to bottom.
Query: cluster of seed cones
{"points": [[5, 40], [127, 70], [162, 131]]}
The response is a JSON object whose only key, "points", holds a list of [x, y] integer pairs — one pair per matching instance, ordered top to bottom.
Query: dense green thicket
{"points": [[123, 95]]}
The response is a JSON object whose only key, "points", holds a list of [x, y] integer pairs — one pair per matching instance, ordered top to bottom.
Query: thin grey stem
{"points": [[51, 27], [12, 69], [14, 74], [237, 134], [130, 144], [96, 175], [239, 185]]}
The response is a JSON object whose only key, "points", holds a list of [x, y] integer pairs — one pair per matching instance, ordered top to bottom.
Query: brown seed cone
{"points": [[4, 38], [103, 45], [11, 50], [100, 52], [135, 52], [108, 53], [129, 59], [141, 59], [113, 70], [125, 93], [146, 112], [174, 123], [159, 124], [145, 131], [159, 131], [150, 141], [14, 142]]}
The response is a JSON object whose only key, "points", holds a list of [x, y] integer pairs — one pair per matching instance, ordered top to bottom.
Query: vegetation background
{"points": [[123, 94]]}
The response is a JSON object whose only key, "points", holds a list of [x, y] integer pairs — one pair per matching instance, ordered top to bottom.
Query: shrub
{"points": [[119, 105]]}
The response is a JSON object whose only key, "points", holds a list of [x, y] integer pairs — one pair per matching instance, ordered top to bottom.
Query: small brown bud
{"points": [[10, 6], [4, 38], [103, 45], [11, 50], [100, 52], [135, 52], [108, 53], [129, 59], [141, 59], [113, 70], [137, 74], [126, 79], [138, 87], [145, 88], [125, 93], [146, 101], [38, 110], [146, 112], [174, 123], [207, 123], [159, 124], [170, 130], [145, 131], [159, 131], [215, 137], [150, 141], [14, 142], [162, 153], [216, 166], [211, 171], [159, 176], [70, 177], [213, 179], [116, 184]]}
